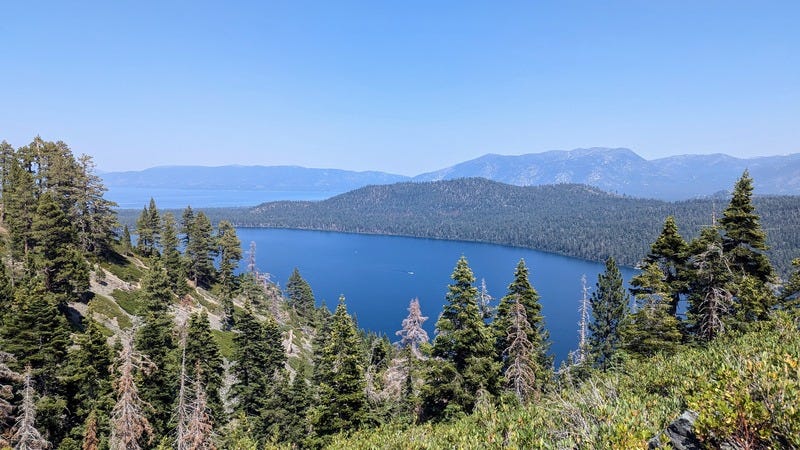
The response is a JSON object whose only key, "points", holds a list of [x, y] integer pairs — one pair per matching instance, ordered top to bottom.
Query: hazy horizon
{"points": [[401, 88]]}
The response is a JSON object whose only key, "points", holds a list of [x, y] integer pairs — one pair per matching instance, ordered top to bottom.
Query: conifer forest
{"points": [[145, 336]]}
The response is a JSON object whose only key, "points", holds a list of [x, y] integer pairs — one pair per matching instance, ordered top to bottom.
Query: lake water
{"points": [[379, 275]]}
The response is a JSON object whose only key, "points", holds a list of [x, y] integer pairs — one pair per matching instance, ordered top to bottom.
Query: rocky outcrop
{"points": [[679, 433]]}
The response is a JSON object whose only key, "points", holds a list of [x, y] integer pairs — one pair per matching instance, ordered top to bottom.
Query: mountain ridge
{"points": [[619, 170]]}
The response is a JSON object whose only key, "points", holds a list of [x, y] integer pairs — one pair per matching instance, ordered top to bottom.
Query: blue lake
{"points": [[379, 275]]}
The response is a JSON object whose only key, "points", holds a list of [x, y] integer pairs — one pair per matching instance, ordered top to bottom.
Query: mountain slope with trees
{"points": [[573, 220]]}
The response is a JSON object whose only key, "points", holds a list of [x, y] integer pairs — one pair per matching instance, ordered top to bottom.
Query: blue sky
{"points": [[399, 86]]}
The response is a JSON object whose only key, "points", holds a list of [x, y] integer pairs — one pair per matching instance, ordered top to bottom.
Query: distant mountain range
{"points": [[615, 170]]}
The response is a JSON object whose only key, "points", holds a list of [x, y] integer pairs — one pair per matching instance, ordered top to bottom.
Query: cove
{"points": [[379, 275]]}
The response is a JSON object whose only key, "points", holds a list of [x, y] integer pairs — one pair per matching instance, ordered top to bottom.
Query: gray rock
{"points": [[680, 434]]}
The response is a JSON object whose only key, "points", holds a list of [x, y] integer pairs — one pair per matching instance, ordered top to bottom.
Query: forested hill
{"points": [[569, 219]]}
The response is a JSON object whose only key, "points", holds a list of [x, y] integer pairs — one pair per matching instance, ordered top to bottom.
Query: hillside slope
{"points": [[570, 219]]}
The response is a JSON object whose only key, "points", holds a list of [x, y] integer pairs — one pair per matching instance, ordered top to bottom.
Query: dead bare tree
{"points": [[412, 334], [583, 345], [520, 375], [7, 378], [183, 410], [128, 422], [200, 427], [26, 436], [90, 439]]}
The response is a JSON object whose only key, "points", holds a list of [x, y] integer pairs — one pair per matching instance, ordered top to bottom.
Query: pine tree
{"points": [[19, 208], [95, 217], [148, 227], [743, 237], [125, 241], [200, 248], [229, 248], [668, 253], [171, 256], [55, 257], [711, 285], [521, 291], [790, 293], [301, 297], [609, 304], [652, 328], [37, 334], [412, 334], [155, 339], [465, 341], [202, 351], [258, 353], [520, 355], [88, 380], [342, 401], [129, 425], [26, 436]]}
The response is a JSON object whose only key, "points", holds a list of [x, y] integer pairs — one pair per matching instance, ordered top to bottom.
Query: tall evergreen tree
{"points": [[19, 208], [95, 219], [148, 228], [743, 237], [125, 241], [200, 249], [229, 249], [668, 254], [171, 256], [55, 257], [711, 285], [520, 290], [301, 297], [609, 304], [653, 327], [37, 334], [155, 339], [467, 343], [258, 354], [204, 362], [89, 381], [342, 400]]}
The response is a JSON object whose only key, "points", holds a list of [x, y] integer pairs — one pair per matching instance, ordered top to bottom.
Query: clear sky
{"points": [[400, 86]]}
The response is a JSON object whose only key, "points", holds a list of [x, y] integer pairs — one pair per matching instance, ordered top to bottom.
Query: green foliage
{"points": [[743, 237], [200, 247], [668, 255], [171, 256], [123, 269], [790, 294], [300, 295], [130, 301], [609, 306], [534, 331], [155, 339], [464, 340], [224, 341], [204, 362], [741, 386], [341, 403]]}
